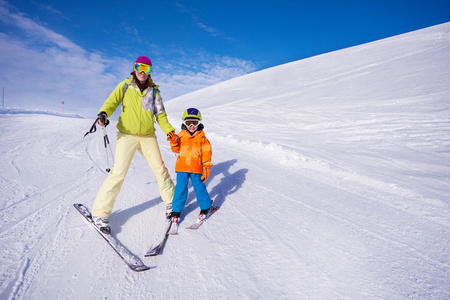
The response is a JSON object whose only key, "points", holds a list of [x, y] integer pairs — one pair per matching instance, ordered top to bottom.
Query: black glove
{"points": [[103, 118]]}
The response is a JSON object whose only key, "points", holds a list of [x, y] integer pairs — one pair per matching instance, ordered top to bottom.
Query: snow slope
{"points": [[332, 172]]}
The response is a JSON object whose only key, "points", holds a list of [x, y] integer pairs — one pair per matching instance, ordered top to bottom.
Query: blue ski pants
{"points": [[181, 191]]}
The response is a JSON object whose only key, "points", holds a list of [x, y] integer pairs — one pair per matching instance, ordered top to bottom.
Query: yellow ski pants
{"points": [[126, 147]]}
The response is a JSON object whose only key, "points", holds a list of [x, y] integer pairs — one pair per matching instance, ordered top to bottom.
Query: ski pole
{"points": [[93, 128], [105, 140], [107, 145]]}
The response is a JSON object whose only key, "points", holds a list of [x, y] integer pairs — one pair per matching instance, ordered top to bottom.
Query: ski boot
{"points": [[169, 211], [203, 214], [175, 223], [102, 224]]}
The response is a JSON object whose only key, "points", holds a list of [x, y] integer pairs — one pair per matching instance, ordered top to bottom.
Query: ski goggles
{"points": [[147, 69], [191, 122]]}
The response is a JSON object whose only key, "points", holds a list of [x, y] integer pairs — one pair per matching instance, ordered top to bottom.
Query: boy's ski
{"points": [[200, 222], [173, 229], [157, 246], [129, 258]]}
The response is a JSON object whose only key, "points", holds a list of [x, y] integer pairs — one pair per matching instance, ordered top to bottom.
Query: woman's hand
{"points": [[102, 119]]}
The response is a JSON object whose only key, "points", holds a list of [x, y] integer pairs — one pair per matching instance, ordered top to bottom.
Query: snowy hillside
{"points": [[12, 111], [332, 173]]}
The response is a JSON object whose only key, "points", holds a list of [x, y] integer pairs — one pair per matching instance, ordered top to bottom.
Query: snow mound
{"points": [[17, 111]]}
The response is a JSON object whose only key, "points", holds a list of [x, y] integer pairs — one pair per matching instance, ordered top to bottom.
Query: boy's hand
{"points": [[173, 138], [206, 171]]}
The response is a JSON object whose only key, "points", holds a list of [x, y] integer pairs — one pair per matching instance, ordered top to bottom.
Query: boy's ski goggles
{"points": [[138, 67], [191, 122]]}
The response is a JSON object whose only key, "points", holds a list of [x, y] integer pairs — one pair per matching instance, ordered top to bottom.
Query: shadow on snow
{"points": [[229, 184]]}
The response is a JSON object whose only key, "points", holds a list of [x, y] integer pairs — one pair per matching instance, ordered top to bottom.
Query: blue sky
{"points": [[78, 51]]}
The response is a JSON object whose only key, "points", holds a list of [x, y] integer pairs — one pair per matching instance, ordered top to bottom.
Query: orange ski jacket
{"points": [[194, 152]]}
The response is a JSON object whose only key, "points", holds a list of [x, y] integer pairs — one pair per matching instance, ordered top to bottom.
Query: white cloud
{"points": [[50, 9], [197, 21], [40, 68], [199, 71]]}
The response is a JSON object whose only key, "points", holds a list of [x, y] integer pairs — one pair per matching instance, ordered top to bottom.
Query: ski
{"points": [[196, 225], [173, 229], [158, 245], [132, 261]]}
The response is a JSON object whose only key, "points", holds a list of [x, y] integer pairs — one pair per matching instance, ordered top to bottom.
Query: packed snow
{"points": [[332, 173]]}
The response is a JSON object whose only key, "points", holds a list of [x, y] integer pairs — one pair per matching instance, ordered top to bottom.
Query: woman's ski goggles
{"points": [[138, 67], [191, 122]]}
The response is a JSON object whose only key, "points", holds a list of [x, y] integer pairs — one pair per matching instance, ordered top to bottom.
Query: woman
{"points": [[141, 104]]}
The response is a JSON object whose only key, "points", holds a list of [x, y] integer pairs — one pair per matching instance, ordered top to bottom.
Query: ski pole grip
{"points": [[103, 117]]}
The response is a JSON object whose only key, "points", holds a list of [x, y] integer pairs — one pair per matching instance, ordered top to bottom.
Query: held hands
{"points": [[173, 138], [206, 171]]}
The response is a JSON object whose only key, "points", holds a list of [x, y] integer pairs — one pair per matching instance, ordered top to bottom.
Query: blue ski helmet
{"points": [[192, 113]]}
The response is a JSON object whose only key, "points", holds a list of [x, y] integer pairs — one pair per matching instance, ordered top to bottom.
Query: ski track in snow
{"points": [[333, 182]]}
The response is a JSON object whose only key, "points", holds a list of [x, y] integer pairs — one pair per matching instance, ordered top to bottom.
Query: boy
{"points": [[193, 162]]}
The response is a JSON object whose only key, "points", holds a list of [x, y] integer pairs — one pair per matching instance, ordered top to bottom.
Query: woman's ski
{"points": [[129, 258]]}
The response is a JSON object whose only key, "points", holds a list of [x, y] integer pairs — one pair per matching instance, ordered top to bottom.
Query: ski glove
{"points": [[103, 119], [173, 138], [206, 171]]}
